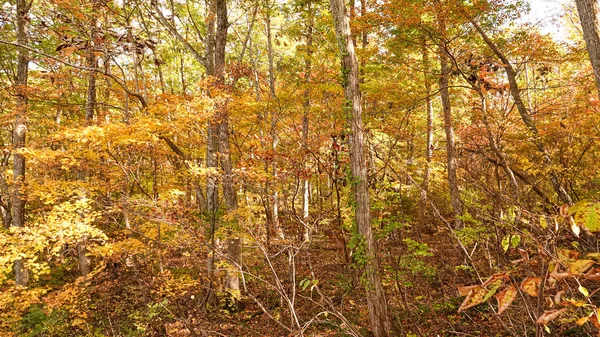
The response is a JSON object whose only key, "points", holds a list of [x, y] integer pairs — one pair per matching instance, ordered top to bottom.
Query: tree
{"points": [[589, 15], [444, 84], [352, 106], [20, 130]]}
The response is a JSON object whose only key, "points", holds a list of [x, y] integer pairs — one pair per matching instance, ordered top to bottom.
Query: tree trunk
{"points": [[589, 15], [92, 62], [444, 82], [516, 95], [352, 106], [306, 111], [274, 117], [20, 131], [429, 142]]}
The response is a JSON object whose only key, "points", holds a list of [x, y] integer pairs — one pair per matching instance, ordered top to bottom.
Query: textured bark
{"points": [[589, 15], [92, 62], [444, 82], [516, 95], [274, 117], [305, 120], [20, 131], [429, 142], [84, 260], [376, 301]]}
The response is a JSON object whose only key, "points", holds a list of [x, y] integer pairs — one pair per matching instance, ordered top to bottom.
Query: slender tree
{"points": [[444, 83], [20, 130], [429, 141], [376, 301]]}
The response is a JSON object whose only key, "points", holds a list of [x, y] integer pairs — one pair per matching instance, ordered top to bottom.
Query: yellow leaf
{"points": [[578, 267], [530, 286], [582, 320]]}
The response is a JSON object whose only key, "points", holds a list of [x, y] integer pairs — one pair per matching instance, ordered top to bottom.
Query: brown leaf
{"points": [[593, 275], [495, 277], [530, 286], [465, 290], [558, 296], [505, 298], [548, 316], [595, 320]]}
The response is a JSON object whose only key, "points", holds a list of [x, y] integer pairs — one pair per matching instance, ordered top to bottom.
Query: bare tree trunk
{"points": [[589, 15], [92, 60], [444, 82], [516, 95], [90, 109], [306, 110], [274, 116], [20, 130], [429, 142], [212, 195], [232, 281], [380, 322]]}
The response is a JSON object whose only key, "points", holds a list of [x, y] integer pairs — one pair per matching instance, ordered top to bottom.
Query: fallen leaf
{"points": [[530, 286], [505, 298], [550, 315]]}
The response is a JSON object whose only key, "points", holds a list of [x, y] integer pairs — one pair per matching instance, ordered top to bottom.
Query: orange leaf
{"points": [[593, 275], [530, 286]]}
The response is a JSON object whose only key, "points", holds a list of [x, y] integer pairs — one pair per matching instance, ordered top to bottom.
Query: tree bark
{"points": [[589, 15], [92, 62], [444, 82], [274, 117], [305, 119], [20, 131], [429, 142], [376, 302]]}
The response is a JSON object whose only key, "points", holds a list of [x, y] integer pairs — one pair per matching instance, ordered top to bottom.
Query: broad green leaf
{"points": [[586, 214], [584, 291]]}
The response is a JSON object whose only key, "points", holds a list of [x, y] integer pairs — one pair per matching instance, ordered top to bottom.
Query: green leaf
{"points": [[586, 214], [543, 222], [515, 240], [506, 243], [584, 291]]}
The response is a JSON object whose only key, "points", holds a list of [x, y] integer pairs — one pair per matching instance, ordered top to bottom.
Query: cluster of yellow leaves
{"points": [[67, 223]]}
